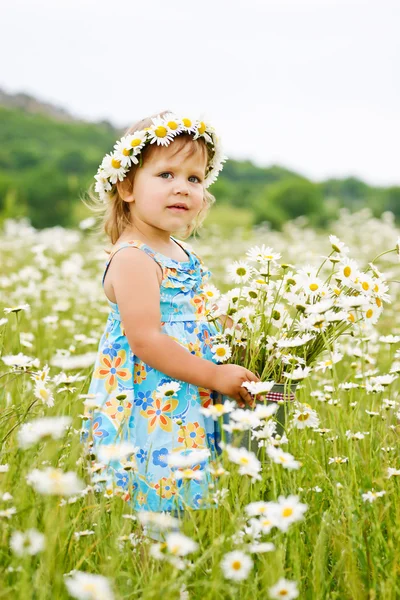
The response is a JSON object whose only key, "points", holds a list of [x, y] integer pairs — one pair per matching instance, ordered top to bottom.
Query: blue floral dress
{"points": [[129, 408]]}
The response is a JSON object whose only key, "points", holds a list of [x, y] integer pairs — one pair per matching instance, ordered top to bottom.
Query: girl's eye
{"points": [[166, 173], [195, 176]]}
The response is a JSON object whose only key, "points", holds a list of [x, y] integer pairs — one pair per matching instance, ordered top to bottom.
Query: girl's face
{"points": [[168, 189]]}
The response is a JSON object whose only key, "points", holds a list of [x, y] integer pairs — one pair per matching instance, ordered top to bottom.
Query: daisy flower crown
{"points": [[127, 151]]}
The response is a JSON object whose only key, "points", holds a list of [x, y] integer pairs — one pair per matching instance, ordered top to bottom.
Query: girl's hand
{"points": [[228, 381]]}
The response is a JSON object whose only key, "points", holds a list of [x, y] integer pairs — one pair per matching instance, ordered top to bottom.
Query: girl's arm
{"points": [[134, 277]]}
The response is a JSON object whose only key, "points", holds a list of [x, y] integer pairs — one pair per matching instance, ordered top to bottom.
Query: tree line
{"points": [[46, 165]]}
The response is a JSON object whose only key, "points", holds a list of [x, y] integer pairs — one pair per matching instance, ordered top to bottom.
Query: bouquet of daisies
{"points": [[282, 319]]}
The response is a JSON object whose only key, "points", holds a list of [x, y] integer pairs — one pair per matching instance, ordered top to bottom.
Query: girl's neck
{"points": [[156, 240]]}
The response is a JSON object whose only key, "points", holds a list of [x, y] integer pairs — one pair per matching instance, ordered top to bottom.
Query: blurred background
{"points": [[305, 95]]}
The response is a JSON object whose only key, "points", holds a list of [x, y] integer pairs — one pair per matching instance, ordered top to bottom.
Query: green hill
{"points": [[47, 162]]}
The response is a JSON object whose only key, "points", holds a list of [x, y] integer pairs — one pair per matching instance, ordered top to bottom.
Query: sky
{"points": [[311, 85]]}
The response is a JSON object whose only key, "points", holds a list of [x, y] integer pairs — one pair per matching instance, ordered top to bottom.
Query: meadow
{"points": [[317, 518]]}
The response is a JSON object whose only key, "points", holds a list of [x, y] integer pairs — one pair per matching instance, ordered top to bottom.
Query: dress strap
{"points": [[130, 244]]}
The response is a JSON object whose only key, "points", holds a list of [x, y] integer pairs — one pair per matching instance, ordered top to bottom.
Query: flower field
{"points": [[313, 514]]}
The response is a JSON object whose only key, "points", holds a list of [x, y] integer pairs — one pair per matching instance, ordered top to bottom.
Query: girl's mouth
{"points": [[178, 208]]}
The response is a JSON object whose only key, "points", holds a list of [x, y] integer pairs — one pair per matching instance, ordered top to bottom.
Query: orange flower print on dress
{"points": [[199, 303], [195, 348], [111, 369], [139, 373], [205, 397], [118, 409], [157, 414], [192, 435], [166, 487], [141, 498]]}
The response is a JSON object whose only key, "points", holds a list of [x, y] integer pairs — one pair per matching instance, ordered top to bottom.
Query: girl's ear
{"points": [[125, 189]]}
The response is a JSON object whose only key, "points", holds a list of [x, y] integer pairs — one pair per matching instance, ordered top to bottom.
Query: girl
{"points": [[155, 367]]}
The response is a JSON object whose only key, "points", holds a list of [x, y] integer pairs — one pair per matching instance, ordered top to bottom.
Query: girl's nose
{"points": [[181, 187]]}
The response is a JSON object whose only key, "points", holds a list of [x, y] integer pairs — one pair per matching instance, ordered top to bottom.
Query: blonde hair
{"points": [[115, 215]]}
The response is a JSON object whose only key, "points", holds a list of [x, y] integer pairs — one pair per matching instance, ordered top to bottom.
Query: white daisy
{"points": [[173, 123], [188, 125], [159, 133], [136, 141], [124, 153], [113, 168], [337, 245], [263, 254], [239, 271], [347, 271], [364, 283], [310, 284], [211, 292], [17, 309], [371, 314], [389, 339], [222, 352], [328, 363], [298, 373], [258, 387], [169, 389], [41, 392], [217, 410], [304, 417], [32, 432], [110, 452], [280, 457], [191, 458], [248, 462], [391, 472], [52, 481], [371, 495], [257, 508], [287, 511], [160, 520], [29, 542], [179, 544], [261, 548], [236, 565], [86, 586], [284, 589]]}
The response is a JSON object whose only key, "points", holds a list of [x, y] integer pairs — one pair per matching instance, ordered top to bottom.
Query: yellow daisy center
{"points": [[187, 122], [172, 125], [201, 128], [160, 131], [136, 142], [126, 152], [115, 163], [241, 271], [347, 271], [365, 285], [313, 287], [376, 288], [378, 302], [369, 313], [351, 318], [221, 352], [219, 408], [303, 417], [244, 460], [287, 512], [236, 565], [89, 587], [283, 593]]}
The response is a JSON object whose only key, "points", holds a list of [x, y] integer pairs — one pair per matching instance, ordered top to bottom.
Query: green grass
{"points": [[344, 547]]}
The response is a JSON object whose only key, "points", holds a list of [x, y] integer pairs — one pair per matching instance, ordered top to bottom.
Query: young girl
{"points": [[155, 367]]}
